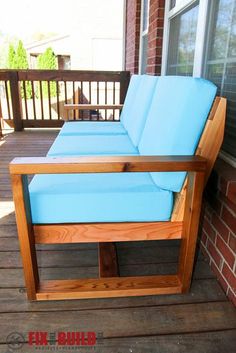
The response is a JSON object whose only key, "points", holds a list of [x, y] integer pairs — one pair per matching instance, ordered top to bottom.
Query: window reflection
{"points": [[181, 49]]}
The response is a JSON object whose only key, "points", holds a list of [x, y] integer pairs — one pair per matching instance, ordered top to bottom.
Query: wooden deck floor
{"points": [[201, 321]]}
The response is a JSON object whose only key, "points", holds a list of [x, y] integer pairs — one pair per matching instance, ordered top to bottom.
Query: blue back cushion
{"points": [[130, 96], [134, 120], [175, 122]]}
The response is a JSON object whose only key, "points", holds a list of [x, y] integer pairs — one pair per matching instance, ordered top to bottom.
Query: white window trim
{"points": [[179, 7], [142, 34], [201, 35]]}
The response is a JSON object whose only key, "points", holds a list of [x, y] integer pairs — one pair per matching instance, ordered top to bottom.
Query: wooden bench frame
{"points": [[183, 224]]}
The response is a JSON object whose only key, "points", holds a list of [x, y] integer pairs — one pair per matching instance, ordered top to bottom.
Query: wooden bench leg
{"points": [[192, 210], [25, 234], [108, 265]]}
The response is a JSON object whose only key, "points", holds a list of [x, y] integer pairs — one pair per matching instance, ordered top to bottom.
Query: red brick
{"points": [[161, 3], [160, 12], [159, 32], [132, 35], [155, 35], [152, 37], [159, 42], [223, 184], [231, 192], [227, 202], [215, 203], [207, 210], [229, 218], [220, 227], [209, 230], [203, 238], [232, 242], [225, 251], [205, 253], [214, 253], [229, 276], [220, 278], [232, 296]]}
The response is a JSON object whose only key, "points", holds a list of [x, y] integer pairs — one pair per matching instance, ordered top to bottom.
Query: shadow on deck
{"points": [[201, 321]]}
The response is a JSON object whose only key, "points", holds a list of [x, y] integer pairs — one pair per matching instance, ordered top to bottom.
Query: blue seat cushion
{"points": [[134, 121], [175, 122], [92, 128], [92, 145], [89, 198]]}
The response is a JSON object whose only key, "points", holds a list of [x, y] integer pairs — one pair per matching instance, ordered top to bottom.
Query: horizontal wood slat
{"points": [[70, 75], [92, 106], [106, 232], [108, 287]]}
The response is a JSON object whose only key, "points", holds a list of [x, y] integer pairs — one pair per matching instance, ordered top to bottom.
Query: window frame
{"points": [[180, 7], [142, 34], [201, 43]]}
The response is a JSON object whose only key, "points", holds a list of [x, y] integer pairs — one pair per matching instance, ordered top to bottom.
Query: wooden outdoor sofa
{"points": [[134, 180]]}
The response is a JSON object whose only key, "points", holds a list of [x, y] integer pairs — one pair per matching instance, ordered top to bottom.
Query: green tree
{"points": [[21, 57], [11, 58], [17, 59], [48, 60], [22, 63]]}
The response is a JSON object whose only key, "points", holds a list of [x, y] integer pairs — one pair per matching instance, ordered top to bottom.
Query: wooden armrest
{"points": [[92, 106], [79, 107], [114, 164]]}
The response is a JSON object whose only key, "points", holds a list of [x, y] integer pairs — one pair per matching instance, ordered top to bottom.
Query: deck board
{"points": [[200, 321]]}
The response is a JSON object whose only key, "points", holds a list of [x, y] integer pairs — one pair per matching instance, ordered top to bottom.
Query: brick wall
{"points": [[133, 9], [155, 36], [218, 231]]}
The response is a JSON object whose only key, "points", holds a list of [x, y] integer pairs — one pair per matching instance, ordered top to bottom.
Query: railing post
{"points": [[124, 83], [16, 100]]}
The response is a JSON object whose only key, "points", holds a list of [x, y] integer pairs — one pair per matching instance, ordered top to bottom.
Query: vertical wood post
{"points": [[124, 83], [16, 100], [195, 185], [25, 233], [108, 266]]}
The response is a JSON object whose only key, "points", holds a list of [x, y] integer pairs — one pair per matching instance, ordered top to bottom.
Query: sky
{"points": [[30, 16]]}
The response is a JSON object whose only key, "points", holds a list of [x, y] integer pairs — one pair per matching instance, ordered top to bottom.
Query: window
{"points": [[183, 29], [144, 36], [200, 40], [220, 65]]}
